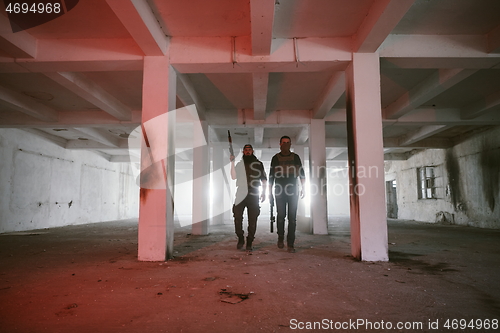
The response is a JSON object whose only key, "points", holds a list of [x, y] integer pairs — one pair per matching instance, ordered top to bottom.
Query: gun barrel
{"points": [[231, 151]]}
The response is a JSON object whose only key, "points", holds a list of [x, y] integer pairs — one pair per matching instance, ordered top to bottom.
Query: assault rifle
{"points": [[231, 151], [271, 204]]}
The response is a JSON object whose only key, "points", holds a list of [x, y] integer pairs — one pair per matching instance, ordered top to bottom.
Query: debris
{"points": [[233, 298]]}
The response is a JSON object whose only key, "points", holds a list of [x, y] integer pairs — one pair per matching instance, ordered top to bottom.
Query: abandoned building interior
{"points": [[120, 110]]}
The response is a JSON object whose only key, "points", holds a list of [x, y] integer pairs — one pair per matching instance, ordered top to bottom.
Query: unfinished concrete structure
{"points": [[396, 98]]}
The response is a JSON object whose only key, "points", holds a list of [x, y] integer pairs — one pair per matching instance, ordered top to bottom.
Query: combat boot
{"points": [[241, 242], [280, 242], [249, 244]]}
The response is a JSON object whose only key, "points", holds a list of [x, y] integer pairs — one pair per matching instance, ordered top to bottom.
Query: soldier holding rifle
{"points": [[249, 175]]}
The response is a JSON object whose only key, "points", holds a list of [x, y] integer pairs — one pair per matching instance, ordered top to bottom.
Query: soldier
{"points": [[286, 167], [250, 176]]}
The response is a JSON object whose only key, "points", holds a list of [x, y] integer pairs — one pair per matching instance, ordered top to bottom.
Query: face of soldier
{"points": [[285, 145], [247, 151]]}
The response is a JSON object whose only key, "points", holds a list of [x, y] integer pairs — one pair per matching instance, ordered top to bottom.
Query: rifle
{"points": [[231, 151], [271, 203]]}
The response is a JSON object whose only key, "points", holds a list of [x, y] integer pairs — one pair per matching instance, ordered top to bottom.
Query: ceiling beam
{"points": [[382, 18], [261, 19], [140, 21], [18, 45], [438, 51], [79, 55], [216, 55], [434, 85], [260, 87], [92, 92], [331, 94], [193, 98], [27, 105], [483, 106], [425, 116], [74, 119], [422, 133], [258, 134], [100, 135], [303, 136], [57, 140], [91, 144], [333, 152], [396, 156], [124, 159]]}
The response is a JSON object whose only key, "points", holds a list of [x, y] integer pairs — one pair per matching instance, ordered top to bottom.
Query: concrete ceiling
{"points": [[260, 68]]}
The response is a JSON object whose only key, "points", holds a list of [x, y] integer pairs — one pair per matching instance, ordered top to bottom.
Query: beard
{"points": [[249, 159]]}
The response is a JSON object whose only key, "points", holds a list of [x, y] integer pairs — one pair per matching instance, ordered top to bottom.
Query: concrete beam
{"points": [[382, 18], [261, 19], [141, 23], [18, 45], [438, 51], [79, 55], [216, 55], [434, 85], [260, 86], [333, 91], [92, 92], [194, 97], [27, 105], [483, 106], [75, 119], [422, 133], [258, 134], [100, 136], [303, 136], [57, 140]]}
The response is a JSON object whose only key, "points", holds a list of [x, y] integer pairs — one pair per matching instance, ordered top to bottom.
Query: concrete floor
{"points": [[87, 279]]}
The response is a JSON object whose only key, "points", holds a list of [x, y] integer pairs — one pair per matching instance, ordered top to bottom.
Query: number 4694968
{"points": [[36, 8]]}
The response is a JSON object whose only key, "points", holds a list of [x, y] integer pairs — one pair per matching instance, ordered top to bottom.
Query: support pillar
{"points": [[366, 159], [317, 178], [201, 179], [218, 198], [156, 209], [304, 223]]}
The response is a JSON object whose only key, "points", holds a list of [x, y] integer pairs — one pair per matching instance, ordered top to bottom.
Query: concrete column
{"points": [[366, 159], [317, 176], [201, 180], [218, 198], [156, 209], [301, 209], [304, 224]]}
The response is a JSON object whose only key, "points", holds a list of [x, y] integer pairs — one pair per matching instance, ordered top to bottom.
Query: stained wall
{"points": [[468, 182], [43, 185]]}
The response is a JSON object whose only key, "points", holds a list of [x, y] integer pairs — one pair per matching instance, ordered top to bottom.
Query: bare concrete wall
{"points": [[468, 181], [43, 185]]}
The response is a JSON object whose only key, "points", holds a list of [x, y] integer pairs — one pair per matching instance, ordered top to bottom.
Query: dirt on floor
{"points": [[87, 279]]}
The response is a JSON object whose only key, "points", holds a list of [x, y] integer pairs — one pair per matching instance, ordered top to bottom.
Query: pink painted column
{"points": [[366, 159], [156, 210]]}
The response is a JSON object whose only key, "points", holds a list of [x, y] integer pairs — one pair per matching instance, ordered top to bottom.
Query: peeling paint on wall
{"points": [[453, 169], [490, 170]]}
